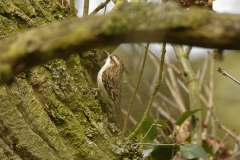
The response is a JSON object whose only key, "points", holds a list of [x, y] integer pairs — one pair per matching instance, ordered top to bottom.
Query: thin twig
{"points": [[101, 6], [86, 8], [105, 9], [188, 50], [150, 52], [152, 56], [154, 59], [174, 67], [220, 70], [198, 72], [203, 73], [130, 85], [182, 85], [132, 88], [156, 88], [211, 88], [174, 89], [206, 89], [135, 91], [175, 96], [164, 97], [210, 99], [166, 109], [164, 113], [131, 118], [157, 125], [231, 134], [236, 141], [152, 144], [220, 144], [236, 147], [233, 157]]}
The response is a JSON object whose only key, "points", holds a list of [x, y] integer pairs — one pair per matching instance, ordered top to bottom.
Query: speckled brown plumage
{"points": [[109, 82]]}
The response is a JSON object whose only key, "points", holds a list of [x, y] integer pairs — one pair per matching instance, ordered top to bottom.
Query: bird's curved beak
{"points": [[106, 52]]}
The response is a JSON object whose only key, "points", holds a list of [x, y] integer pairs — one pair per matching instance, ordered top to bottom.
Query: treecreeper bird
{"points": [[109, 82]]}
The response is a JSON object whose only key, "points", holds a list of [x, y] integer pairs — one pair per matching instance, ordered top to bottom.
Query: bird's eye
{"points": [[112, 58]]}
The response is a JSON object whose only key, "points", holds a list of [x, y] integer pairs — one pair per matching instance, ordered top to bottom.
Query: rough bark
{"points": [[49, 111]]}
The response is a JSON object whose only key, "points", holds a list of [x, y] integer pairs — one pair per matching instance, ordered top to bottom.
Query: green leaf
{"points": [[185, 115], [161, 122], [145, 127], [208, 149], [193, 151], [164, 152]]}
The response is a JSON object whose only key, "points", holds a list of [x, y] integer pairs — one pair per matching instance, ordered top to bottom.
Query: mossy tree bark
{"points": [[129, 23], [50, 112]]}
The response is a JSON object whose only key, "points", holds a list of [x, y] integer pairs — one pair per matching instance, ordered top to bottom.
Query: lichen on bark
{"points": [[50, 111]]}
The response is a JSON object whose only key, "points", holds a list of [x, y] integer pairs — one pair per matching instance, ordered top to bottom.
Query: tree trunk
{"points": [[50, 111]]}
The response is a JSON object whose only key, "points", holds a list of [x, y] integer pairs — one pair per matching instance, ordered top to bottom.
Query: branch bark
{"points": [[131, 23], [191, 81]]}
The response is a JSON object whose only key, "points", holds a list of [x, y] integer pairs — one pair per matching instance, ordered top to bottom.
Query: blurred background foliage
{"points": [[226, 99]]}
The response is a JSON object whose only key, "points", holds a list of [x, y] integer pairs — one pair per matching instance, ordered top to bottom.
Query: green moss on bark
{"points": [[50, 111]]}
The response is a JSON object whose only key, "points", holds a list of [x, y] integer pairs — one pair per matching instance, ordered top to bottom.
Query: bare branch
{"points": [[101, 6], [86, 8], [18, 53], [220, 70], [193, 87], [136, 88], [155, 90], [152, 144]]}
